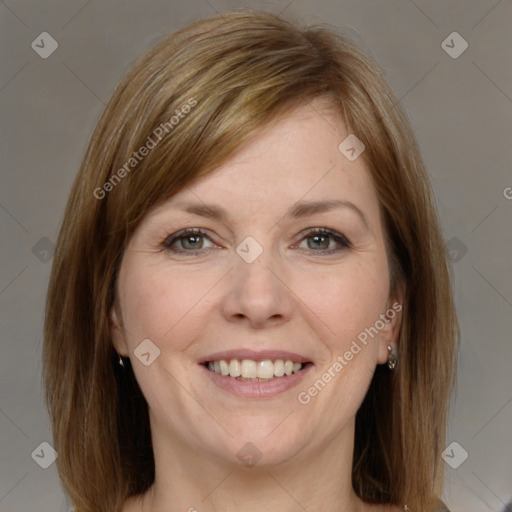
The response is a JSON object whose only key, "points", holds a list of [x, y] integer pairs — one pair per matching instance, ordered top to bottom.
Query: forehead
{"points": [[294, 157]]}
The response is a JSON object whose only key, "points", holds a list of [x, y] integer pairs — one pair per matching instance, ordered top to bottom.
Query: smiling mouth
{"points": [[249, 370]]}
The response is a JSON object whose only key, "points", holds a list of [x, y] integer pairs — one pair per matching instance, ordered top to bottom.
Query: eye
{"points": [[320, 240], [325, 240], [189, 241]]}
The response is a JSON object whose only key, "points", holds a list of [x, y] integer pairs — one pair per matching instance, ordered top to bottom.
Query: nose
{"points": [[258, 293]]}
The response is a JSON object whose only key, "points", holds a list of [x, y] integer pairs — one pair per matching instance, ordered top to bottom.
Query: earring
{"points": [[392, 360], [121, 362]]}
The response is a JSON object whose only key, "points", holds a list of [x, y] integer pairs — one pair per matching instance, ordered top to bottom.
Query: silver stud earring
{"points": [[392, 360], [121, 363]]}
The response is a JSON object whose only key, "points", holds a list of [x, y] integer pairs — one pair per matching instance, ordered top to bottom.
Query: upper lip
{"points": [[255, 355]]}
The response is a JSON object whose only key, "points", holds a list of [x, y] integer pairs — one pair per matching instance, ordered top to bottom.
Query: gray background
{"points": [[460, 109]]}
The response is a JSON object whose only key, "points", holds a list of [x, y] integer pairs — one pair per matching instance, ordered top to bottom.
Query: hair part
{"points": [[242, 69]]}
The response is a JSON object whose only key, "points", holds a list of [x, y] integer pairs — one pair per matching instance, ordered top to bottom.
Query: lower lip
{"points": [[248, 389]]}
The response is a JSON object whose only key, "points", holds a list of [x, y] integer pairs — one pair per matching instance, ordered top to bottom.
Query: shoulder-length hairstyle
{"points": [[198, 96]]}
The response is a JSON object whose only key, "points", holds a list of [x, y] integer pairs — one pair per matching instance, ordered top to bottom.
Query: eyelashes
{"points": [[322, 234], [183, 235], [318, 236]]}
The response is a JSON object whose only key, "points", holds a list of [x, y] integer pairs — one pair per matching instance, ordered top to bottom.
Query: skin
{"points": [[293, 297]]}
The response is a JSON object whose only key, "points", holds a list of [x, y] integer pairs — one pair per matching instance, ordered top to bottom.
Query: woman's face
{"points": [[257, 287]]}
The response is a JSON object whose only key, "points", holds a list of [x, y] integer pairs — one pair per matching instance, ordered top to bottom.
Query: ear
{"points": [[392, 319], [117, 331]]}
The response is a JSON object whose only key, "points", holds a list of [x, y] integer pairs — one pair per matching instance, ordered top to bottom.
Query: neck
{"points": [[316, 478]]}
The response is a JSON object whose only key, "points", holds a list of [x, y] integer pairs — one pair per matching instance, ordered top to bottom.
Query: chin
{"points": [[264, 443]]}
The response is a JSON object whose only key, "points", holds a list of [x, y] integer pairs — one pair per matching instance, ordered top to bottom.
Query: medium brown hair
{"points": [[240, 70]]}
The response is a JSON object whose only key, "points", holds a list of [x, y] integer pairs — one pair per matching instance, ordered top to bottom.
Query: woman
{"points": [[250, 301]]}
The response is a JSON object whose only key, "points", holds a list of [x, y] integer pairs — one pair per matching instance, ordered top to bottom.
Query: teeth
{"points": [[224, 368], [279, 368], [249, 369], [265, 369], [235, 370], [257, 371]]}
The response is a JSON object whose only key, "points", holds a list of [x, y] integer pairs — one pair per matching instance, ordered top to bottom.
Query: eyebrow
{"points": [[297, 210]]}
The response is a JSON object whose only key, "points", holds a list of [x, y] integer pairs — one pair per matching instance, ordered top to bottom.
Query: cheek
{"points": [[349, 300], [349, 303], [160, 304], [166, 307]]}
